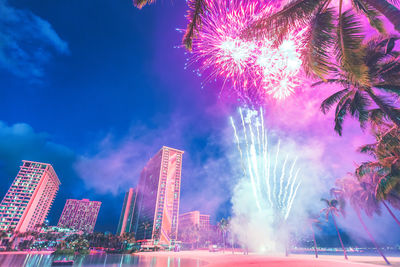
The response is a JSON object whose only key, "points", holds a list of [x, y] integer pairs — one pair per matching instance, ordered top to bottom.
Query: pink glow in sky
{"points": [[254, 69]]}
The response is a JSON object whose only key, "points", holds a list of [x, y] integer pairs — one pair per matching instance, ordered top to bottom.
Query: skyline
{"points": [[108, 102]]}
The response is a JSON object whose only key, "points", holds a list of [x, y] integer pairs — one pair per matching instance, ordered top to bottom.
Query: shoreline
{"points": [[45, 252], [219, 259]]}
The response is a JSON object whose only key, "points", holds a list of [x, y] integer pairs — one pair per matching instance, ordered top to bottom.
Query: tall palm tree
{"points": [[379, 72], [361, 197], [333, 207], [313, 220], [146, 225], [223, 227]]}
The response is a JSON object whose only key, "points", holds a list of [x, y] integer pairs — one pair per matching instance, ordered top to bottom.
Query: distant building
{"points": [[157, 199], [28, 201], [80, 215], [194, 218], [125, 220], [204, 221]]}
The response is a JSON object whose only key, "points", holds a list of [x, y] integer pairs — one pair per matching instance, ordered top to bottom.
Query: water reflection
{"points": [[32, 260]]}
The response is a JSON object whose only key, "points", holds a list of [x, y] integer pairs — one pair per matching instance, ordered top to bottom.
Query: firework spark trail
{"points": [[247, 64], [248, 152], [276, 164], [290, 178], [281, 180], [269, 192], [292, 194]]}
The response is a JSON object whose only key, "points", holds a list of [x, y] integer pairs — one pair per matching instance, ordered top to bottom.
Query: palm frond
{"points": [[141, 3], [196, 9], [391, 12], [371, 14], [292, 15], [318, 40], [348, 48], [343, 82], [391, 88], [327, 104], [358, 107], [340, 114], [377, 118], [367, 149], [367, 168], [386, 185]]}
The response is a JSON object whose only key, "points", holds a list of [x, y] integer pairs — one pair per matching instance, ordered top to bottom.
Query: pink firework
{"points": [[255, 68]]}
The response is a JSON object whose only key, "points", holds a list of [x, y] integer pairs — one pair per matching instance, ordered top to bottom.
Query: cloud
{"points": [[27, 42], [19, 142], [114, 164]]}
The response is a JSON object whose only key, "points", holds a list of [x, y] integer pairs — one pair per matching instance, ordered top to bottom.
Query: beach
{"points": [[227, 259]]}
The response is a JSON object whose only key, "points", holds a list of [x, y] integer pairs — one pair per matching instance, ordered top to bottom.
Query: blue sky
{"points": [[76, 75]]}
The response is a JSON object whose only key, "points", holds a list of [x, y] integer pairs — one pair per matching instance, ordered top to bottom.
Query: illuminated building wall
{"points": [[157, 200], [28, 201], [80, 215], [190, 219], [125, 221], [204, 222]]}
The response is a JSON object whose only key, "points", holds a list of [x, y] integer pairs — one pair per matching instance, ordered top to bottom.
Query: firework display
{"points": [[253, 68], [274, 184]]}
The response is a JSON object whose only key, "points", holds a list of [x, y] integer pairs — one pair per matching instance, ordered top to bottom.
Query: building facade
{"points": [[28, 201], [156, 208], [80, 215], [192, 219], [125, 220], [204, 222]]}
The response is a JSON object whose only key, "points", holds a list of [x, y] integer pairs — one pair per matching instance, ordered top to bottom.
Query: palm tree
{"points": [[378, 71], [361, 197], [333, 206], [314, 219], [146, 225], [223, 227], [3, 234]]}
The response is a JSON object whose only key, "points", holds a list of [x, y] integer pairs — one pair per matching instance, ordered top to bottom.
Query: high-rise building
{"points": [[157, 198], [28, 201], [80, 215], [125, 220]]}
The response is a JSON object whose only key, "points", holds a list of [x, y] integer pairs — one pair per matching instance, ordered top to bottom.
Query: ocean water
{"points": [[113, 260]]}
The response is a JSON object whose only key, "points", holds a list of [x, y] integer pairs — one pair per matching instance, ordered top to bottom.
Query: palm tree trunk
{"points": [[388, 10], [380, 104], [391, 213], [371, 237], [340, 238], [223, 240], [315, 242], [233, 248]]}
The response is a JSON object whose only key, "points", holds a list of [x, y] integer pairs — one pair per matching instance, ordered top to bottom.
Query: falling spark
{"points": [[255, 69], [269, 191]]}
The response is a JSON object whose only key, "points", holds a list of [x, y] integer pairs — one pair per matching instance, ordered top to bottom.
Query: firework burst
{"points": [[255, 69], [274, 182]]}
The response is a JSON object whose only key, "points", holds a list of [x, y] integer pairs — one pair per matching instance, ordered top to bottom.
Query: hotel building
{"points": [[28, 201], [156, 208], [80, 215], [193, 218], [125, 220]]}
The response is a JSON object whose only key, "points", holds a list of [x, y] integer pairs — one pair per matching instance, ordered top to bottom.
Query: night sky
{"points": [[113, 73], [97, 87]]}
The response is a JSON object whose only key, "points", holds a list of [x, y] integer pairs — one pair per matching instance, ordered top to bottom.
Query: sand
{"points": [[219, 259]]}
